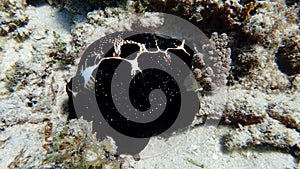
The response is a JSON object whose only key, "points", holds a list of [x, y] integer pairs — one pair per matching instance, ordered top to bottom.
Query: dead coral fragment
{"points": [[245, 108], [288, 113], [269, 132], [19, 160]]}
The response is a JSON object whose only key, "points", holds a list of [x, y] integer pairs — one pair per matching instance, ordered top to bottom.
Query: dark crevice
{"points": [[36, 2], [288, 59]]}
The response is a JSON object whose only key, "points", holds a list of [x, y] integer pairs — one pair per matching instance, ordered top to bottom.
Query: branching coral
{"points": [[212, 67]]}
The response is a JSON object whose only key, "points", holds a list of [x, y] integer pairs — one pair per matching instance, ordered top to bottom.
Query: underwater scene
{"points": [[150, 84]]}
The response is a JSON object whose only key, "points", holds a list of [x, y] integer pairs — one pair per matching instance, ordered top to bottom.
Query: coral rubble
{"points": [[12, 15], [73, 145]]}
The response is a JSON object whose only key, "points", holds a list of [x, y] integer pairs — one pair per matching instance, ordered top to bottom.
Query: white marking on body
{"points": [[118, 43], [87, 73]]}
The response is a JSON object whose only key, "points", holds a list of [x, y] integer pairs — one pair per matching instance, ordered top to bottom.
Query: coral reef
{"points": [[268, 28], [273, 30], [265, 59], [250, 110]]}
